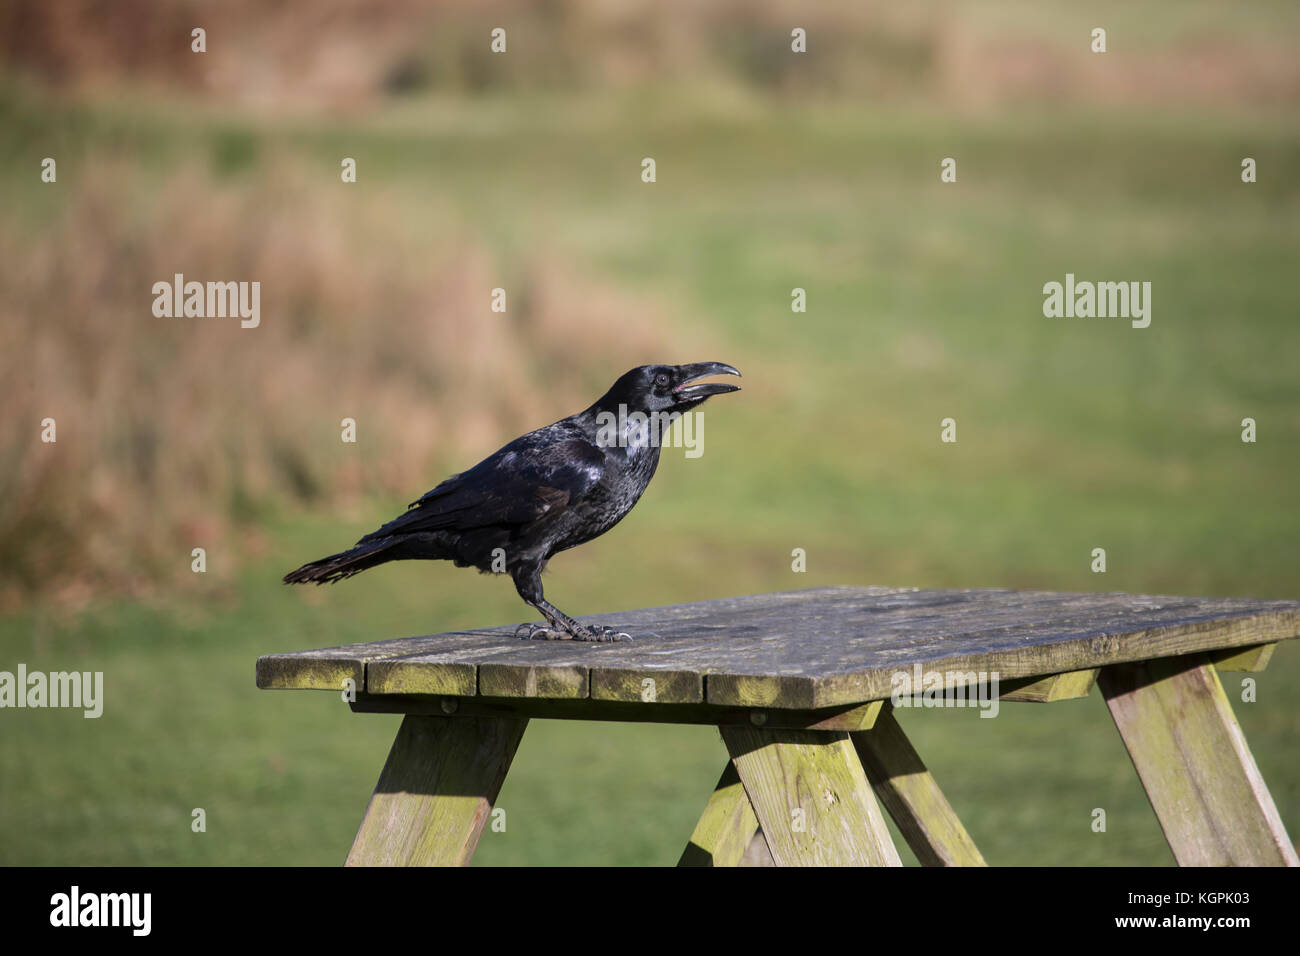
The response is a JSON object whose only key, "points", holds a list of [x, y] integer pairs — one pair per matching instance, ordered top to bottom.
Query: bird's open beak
{"points": [[686, 374]]}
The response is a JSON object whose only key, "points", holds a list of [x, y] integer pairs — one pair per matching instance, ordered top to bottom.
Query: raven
{"points": [[545, 492]]}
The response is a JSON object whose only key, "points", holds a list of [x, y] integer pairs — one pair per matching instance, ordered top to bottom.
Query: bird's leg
{"points": [[559, 626]]}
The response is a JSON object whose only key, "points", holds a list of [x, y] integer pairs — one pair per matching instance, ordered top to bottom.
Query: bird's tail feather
{"points": [[342, 565]]}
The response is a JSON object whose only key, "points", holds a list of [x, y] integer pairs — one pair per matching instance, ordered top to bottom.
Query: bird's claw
{"points": [[539, 632], [543, 632], [598, 633]]}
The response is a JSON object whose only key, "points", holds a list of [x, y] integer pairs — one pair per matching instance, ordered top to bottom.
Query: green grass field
{"points": [[924, 302]]}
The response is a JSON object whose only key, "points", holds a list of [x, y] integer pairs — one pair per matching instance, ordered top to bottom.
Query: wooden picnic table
{"points": [[799, 684]]}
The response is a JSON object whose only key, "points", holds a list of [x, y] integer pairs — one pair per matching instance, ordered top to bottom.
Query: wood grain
{"points": [[802, 649], [1249, 659], [1072, 685], [844, 717], [1193, 760], [436, 791], [909, 792], [811, 797], [726, 828], [759, 853]]}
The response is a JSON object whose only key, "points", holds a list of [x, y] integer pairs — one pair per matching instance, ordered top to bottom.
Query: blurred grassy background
{"points": [[522, 171]]}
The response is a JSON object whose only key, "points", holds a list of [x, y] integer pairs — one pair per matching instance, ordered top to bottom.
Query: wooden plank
{"points": [[963, 633], [822, 648], [850, 649], [405, 659], [1250, 659], [432, 665], [509, 667], [325, 668], [275, 672], [815, 676], [452, 678], [532, 680], [642, 685], [1072, 685], [845, 717], [861, 717], [1191, 755], [436, 791], [909, 792], [811, 797], [726, 828], [759, 853]]}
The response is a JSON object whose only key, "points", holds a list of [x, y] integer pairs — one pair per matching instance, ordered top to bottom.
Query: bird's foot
{"points": [[540, 632], [578, 632], [598, 633]]}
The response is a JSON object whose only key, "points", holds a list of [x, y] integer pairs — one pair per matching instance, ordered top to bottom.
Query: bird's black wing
{"points": [[529, 479]]}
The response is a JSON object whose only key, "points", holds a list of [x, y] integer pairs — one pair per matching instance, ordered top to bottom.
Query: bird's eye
{"points": [[661, 380]]}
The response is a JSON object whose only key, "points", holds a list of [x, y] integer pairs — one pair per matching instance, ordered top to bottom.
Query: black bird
{"points": [[545, 492]]}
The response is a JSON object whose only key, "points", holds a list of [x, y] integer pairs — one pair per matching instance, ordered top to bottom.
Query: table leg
{"points": [[1191, 755], [436, 791], [910, 794], [811, 797], [726, 827], [759, 853]]}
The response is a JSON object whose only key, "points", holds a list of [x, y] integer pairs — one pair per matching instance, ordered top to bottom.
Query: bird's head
{"points": [[667, 388]]}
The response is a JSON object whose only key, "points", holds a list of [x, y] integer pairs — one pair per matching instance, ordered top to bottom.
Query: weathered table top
{"points": [[797, 649]]}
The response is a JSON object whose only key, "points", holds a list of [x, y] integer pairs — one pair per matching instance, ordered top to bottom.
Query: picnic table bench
{"points": [[800, 685]]}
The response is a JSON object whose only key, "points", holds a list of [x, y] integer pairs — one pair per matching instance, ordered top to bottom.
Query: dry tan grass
{"points": [[348, 55], [175, 433]]}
